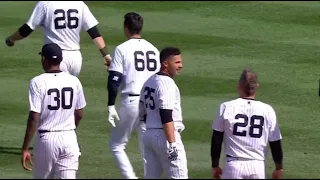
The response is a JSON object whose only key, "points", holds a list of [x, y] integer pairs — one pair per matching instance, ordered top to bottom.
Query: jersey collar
{"points": [[54, 71], [163, 74], [248, 98]]}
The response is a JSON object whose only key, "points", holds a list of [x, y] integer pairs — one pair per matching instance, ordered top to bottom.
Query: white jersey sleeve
{"points": [[38, 15], [89, 21], [117, 61], [166, 94], [35, 97], [81, 102], [218, 123], [274, 130]]}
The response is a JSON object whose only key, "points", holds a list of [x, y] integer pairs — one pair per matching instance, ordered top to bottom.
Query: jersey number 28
{"points": [[72, 21], [141, 65], [60, 98], [253, 125]]}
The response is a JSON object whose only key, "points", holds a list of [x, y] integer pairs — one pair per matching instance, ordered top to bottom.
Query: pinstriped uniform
{"points": [[62, 22], [136, 60], [161, 92], [56, 96], [248, 127]]}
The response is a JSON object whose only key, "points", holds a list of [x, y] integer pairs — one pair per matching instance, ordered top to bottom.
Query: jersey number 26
{"points": [[60, 22], [140, 64], [60, 98], [253, 126]]}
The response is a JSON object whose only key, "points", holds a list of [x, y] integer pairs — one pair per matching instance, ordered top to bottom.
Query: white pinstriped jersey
{"points": [[62, 22], [136, 60], [161, 92], [56, 96], [248, 126]]}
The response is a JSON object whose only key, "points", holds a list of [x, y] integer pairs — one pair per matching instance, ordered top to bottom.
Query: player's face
{"points": [[175, 65]]}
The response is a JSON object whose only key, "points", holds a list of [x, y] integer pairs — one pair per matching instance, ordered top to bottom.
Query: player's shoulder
{"points": [[149, 45], [165, 80], [265, 106]]}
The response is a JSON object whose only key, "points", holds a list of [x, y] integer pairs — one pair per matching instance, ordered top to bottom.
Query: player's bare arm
{"points": [[23, 32], [100, 43], [78, 116], [33, 120], [168, 128]]}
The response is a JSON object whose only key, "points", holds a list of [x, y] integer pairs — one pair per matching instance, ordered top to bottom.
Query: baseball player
{"points": [[62, 22], [134, 62], [56, 103], [161, 107], [248, 126]]}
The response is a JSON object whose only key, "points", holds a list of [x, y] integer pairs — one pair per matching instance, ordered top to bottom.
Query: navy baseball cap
{"points": [[51, 52]]}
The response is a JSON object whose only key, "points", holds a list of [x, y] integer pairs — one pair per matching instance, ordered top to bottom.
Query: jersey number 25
{"points": [[65, 19], [140, 64], [60, 100]]}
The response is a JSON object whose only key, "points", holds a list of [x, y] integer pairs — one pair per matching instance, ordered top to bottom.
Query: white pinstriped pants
{"points": [[72, 62], [120, 135], [56, 155], [156, 155], [244, 169]]}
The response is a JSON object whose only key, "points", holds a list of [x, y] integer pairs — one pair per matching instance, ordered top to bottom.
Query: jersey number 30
{"points": [[65, 19], [139, 63], [60, 98], [253, 126]]}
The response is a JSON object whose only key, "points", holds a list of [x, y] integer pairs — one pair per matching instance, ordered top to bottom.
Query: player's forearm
{"points": [[22, 32], [98, 40], [78, 116], [168, 125], [31, 129], [169, 132], [216, 144], [277, 154]]}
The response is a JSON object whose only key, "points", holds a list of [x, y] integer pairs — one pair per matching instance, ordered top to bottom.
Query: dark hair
{"points": [[133, 22], [167, 52], [54, 62], [249, 80]]}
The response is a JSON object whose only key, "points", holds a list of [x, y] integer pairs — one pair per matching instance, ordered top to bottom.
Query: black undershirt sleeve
{"points": [[25, 30], [94, 32], [114, 81], [166, 115], [216, 144], [276, 151]]}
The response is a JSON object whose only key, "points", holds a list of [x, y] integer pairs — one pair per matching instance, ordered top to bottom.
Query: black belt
{"points": [[134, 94], [46, 131]]}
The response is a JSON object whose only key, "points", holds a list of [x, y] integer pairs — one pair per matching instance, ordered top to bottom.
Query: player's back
{"points": [[64, 21], [141, 60], [161, 90], [60, 95], [247, 125]]}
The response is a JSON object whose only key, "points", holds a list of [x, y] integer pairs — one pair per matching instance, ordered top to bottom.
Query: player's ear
{"points": [[257, 85]]}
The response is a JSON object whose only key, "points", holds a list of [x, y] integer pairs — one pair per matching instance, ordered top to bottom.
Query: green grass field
{"points": [[278, 40]]}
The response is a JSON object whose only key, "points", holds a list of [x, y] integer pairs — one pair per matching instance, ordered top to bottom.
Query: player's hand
{"points": [[9, 42], [107, 62], [113, 115], [173, 152], [26, 157], [216, 173], [277, 174]]}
